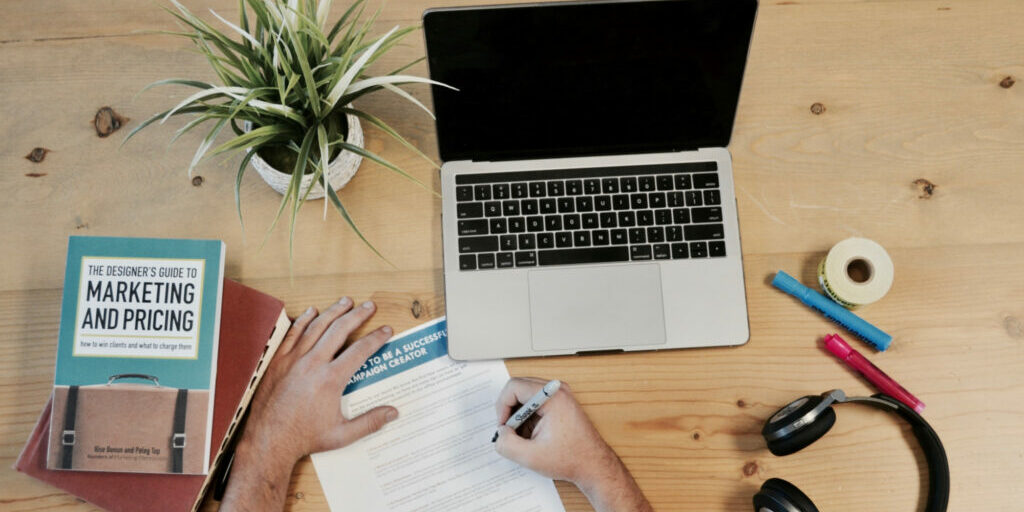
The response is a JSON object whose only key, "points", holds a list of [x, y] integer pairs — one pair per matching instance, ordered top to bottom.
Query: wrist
{"points": [[276, 457], [612, 488]]}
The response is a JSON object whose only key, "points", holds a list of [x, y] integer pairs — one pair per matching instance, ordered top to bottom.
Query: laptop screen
{"points": [[572, 79]]}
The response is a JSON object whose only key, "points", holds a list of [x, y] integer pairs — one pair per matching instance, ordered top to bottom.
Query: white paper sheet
{"points": [[437, 456]]}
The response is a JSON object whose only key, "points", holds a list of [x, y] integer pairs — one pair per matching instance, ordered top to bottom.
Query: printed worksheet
{"points": [[437, 456]]}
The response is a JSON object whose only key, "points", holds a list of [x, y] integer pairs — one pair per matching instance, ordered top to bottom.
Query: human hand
{"points": [[297, 407], [563, 444]]}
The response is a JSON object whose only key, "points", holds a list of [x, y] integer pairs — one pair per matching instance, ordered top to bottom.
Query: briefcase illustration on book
{"points": [[131, 427]]}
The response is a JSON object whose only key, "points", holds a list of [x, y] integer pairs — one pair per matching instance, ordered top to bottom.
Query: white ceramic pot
{"points": [[339, 171]]}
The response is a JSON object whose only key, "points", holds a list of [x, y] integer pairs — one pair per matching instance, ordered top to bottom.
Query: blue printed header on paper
{"points": [[408, 351]]}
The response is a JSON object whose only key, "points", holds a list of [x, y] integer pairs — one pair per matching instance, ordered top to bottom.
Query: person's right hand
{"points": [[564, 445]]}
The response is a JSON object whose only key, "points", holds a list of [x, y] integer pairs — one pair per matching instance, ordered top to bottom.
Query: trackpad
{"points": [[596, 307]]}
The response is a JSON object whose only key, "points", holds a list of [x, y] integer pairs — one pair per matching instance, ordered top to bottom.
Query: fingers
{"points": [[317, 327], [295, 331], [355, 355], [517, 391], [366, 424], [513, 447]]}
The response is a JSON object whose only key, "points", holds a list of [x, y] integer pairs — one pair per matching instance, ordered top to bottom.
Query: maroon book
{"points": [[251, 328]]}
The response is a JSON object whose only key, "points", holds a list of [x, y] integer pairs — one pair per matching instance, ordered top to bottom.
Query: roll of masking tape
{"points": [[857, 271]]}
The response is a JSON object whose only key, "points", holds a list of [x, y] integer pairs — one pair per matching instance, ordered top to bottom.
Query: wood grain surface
{"points": [[897, 120]]}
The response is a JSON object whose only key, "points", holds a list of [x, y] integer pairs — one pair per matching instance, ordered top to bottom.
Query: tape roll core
{"points": [[855, 272]]}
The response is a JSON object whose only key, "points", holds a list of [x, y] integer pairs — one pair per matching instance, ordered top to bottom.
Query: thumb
{"points": [[367, 423], [513, 447]]}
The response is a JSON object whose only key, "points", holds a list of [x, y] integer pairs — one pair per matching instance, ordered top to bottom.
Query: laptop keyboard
{"points": [[573, 216]]}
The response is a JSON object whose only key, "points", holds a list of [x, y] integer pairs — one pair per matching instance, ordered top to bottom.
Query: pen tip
{"points": [[495, 438]]}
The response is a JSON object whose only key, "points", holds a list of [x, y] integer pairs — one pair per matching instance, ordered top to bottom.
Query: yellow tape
{"points": [[856, 272]]}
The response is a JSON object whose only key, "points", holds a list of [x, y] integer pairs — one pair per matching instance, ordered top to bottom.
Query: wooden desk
{"points": [[895, 120]]}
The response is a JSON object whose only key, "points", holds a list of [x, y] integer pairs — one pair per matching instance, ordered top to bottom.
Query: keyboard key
{"points": [[708, 180], [665, 182], [683, 182], [646, 183], [628, 184], [610, 185], [592, 186], [573, 187], [556, 188], [537, 189], [500, 191], [519, 191], [482, 192], [464, 193], [712, 197], [693, 198], [656, 199], [676, 199], [638, 201], [620, 202], [602, 203], [584, 204], [566, 205], [529, 206], [548, 206], [510, 208], [492, 209], [470, 210], [713, 214], [681, 216], [662, 217], [645, 218], [627, 219], [608, 220], [571, 221], [589, 221], [553, 222], [535, 223], [516, 225], [499, 226], [473, 227], [704, 232], [674, 234], [637, 235], [655, 235], [620, 236], [600, 237], [563, 239], [581, 239], [545, 240], [527, 241], [508, 242], [478, 244], [698, 249], [716, 249], [680, 251], [639, 252], [662, 252], [576, 256], [526, 259], [505, 260], [485, 261], [467, 262]]}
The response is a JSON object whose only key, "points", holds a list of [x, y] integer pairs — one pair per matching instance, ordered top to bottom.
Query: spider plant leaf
{"points": [[341, 21], [244, 33], [407, 66], [307, 75], [393, 79], [178, 81], [342, 86], [395, 89], [213, 91], [156, 117], [188, 127], [390, 131], [263, 133], [205, 145], [372, 156], [325, 158], [238, 188], [333, 196]]}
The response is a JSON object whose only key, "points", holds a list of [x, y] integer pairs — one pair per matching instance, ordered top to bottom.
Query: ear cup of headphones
{"points": [[803, 436], [778, 495]]}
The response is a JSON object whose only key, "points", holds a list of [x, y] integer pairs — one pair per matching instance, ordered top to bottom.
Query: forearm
{"points": [[259, 478], [614, 489]]}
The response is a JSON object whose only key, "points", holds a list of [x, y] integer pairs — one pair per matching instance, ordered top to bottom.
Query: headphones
{"points": [[807, 419]]}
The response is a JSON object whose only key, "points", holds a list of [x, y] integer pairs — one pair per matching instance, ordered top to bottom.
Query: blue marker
{"points": [[838, 314]]}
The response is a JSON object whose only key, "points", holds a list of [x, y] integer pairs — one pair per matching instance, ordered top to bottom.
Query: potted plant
{"points": [[288, 86]]}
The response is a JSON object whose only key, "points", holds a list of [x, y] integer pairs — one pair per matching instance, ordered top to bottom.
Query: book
{"points": [[252, 327], [135, 377]]}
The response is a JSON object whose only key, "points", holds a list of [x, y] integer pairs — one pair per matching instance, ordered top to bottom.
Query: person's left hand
{"points": [[297, 409]]}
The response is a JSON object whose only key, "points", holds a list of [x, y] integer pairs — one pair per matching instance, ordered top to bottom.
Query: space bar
{"points": [[570, 256]]}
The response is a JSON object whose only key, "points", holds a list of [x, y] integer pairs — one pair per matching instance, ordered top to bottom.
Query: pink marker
{"points": [[839, 348]]}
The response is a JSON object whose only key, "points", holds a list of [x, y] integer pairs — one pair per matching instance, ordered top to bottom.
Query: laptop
{"points": [[587, 193]]}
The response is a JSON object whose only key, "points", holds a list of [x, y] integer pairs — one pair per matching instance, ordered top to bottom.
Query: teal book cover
{"points": [[137, 355]]}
